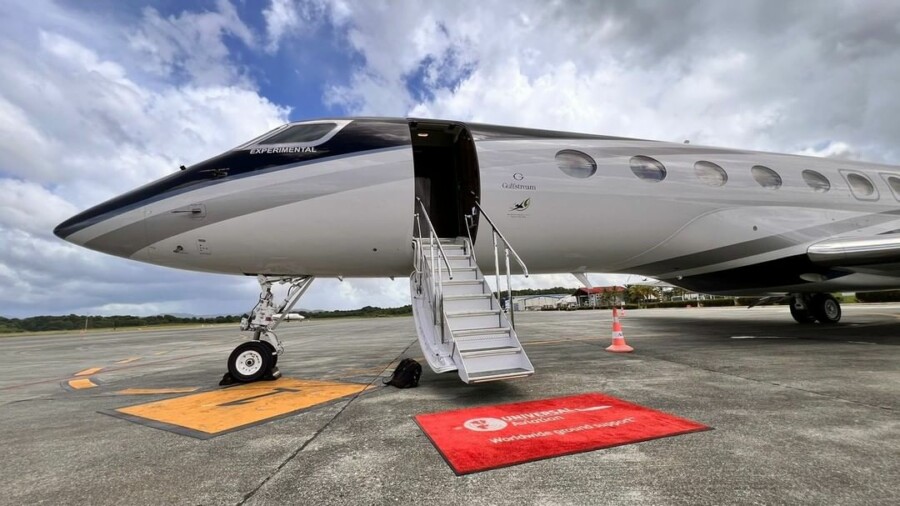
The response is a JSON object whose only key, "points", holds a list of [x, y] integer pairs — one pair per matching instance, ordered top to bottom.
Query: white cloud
{"points": [[192, 44], [765, 75], [79, 125], [840, 150], [31, 208]]}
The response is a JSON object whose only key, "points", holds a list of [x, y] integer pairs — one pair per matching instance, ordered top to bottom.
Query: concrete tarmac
{"points": [[803, 414]]}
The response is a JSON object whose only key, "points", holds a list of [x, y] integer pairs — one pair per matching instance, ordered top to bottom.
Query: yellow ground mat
{"points": [[208, 414]]}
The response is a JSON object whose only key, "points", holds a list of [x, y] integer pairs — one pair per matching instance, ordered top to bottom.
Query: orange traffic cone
{"points": [[618, 338]]}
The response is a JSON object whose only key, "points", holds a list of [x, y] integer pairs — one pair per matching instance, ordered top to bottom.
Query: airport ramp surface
{"points": [[803, 414]]}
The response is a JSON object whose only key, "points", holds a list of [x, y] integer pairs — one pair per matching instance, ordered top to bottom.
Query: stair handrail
{"points": [[495, 233], [500, 234], [433, 236], [437, 281]]}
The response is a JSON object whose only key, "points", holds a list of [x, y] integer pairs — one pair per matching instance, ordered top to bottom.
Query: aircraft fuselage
{"points": [[343, 204]]}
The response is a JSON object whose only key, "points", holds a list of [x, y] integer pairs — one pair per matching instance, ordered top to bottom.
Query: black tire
{"points": [[825, 308], [802, 316], [274, 353], [250, 361]]}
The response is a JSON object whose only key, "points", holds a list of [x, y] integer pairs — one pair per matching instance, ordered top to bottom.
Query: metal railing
{"points": [[507, 249], [437, 277]]}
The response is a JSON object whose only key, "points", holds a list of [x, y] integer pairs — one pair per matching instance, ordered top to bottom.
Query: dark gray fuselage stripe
{"points": [[759, 246]]}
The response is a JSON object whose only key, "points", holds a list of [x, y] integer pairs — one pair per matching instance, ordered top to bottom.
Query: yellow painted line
{"points": [[161, 353], [128, 360], [88, 372], [81, 384], [154, 391], [230, 408]]}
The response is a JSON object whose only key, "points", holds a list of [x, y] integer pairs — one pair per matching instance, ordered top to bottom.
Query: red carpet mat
{"points": [[488, 437]]}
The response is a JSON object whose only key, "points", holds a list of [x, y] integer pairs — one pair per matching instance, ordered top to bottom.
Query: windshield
{"points": [[301, 133]]}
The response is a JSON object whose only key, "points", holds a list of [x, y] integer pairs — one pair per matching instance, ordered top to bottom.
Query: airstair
{"points": [[459, 321]]}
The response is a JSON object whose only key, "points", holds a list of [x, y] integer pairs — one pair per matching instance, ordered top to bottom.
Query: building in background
{"points": [[600, 296]]}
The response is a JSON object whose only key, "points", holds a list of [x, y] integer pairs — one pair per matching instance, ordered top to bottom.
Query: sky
{"points": [[99, 97]]}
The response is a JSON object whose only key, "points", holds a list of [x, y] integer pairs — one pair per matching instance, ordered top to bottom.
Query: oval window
{"points": [[576, 164], [648, 169], [710, 173], [766, 177], [816, 181], [894, 183], [860, 185]]}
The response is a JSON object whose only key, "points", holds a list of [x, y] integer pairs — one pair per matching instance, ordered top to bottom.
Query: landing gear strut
{"points": [[821, 307], [256, 359]]}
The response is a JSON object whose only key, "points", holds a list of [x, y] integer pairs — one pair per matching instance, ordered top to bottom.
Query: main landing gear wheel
{"points": [[825, 308], [802, 316], [250, 361]]}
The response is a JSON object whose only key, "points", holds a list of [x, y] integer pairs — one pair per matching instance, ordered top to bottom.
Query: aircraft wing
{"points": [[880, 253]]}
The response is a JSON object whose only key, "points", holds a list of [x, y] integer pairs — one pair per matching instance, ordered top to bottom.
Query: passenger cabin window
{"points": [[309, 132], [576, 164], [648, 169], [710, 173], [766, 177], [816, 181], [893, 181], [860, 185]]}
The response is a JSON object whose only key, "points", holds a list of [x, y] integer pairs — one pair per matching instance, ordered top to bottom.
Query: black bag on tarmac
{"points": [[406, 375]]}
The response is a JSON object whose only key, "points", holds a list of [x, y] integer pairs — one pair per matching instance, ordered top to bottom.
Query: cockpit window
{"points": [[309, 132]]}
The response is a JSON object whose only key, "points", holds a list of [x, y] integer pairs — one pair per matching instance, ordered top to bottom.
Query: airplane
{"points": [[452, 204], [290, 317]]}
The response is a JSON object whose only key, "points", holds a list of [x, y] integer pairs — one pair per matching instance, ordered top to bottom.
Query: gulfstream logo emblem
{"points": [[296, 149], [518, 176], [521, 206]]}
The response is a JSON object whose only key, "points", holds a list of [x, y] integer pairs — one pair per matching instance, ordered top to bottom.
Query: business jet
{"points": [[452, 205], [289, 317]]}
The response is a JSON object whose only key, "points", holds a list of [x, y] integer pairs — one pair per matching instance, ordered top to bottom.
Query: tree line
{"points": [[75, 322], [81, 322]]}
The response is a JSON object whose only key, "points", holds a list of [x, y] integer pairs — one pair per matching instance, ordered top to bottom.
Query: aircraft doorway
{"points": [[446, 174]]}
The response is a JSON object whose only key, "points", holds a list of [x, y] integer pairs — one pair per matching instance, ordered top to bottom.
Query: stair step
{"points": [[461, 268], [465, 272], [463, 282], [463, 287], [468, 296], [468, 302], [464, 314], [462, 320], [481, 333], [495, 350], [482, 376]]}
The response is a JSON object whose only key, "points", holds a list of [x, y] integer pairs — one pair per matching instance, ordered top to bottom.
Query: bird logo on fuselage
{"points": [[521, 206]]}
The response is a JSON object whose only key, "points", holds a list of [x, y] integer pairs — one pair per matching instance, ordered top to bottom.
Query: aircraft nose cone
{"points": [[65, 229]]}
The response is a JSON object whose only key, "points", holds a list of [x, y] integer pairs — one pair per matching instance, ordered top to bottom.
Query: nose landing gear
{"points": [[257, 359]]}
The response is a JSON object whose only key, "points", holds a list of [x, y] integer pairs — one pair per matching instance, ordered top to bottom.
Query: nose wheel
{"points": [[255, 360], [251, 361]]}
